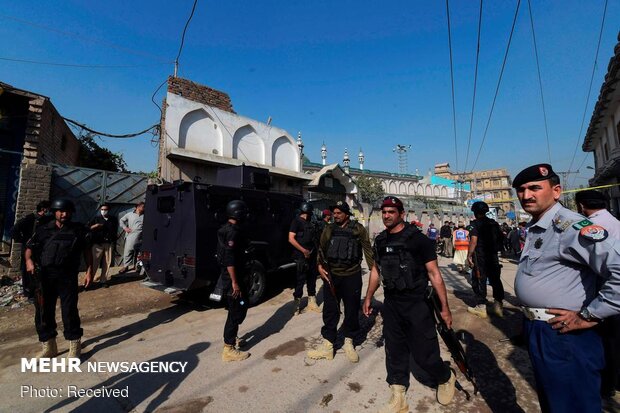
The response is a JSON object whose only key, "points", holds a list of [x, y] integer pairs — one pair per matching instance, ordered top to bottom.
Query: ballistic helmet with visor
{"points": [[62, 204], [479, 207], [306, 208], [237, 209]]}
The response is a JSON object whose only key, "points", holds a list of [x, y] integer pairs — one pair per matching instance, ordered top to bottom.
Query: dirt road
{"points": [[128, 322]]}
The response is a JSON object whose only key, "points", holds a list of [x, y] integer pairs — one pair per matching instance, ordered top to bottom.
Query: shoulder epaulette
{"points": [[562, 222]]}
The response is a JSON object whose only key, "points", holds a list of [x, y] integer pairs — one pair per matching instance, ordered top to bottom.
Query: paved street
{"points": [[277, 377]]}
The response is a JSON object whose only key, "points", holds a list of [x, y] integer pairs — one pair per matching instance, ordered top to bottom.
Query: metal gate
{"points": [[89, 188]]}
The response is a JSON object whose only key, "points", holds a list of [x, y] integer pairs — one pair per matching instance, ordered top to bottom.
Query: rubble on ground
{"points": [[11, 293]]}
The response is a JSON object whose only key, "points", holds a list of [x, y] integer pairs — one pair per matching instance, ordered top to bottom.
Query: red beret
{"points": [[392, 201]]}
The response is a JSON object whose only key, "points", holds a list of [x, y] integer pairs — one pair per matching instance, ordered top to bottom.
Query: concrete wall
{"points": [[201, 120], [200, 128], [408, 188], [374, 223]]}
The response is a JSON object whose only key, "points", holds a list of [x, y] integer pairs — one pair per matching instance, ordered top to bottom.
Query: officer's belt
{"points": [[539, 314]]}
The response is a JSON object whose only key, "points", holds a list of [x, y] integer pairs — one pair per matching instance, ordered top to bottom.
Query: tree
{"points": [[94, 156], [151, 175], [370, 189]]}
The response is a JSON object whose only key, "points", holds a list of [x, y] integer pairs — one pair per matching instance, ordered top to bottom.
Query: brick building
{"points": [[32, 135], [494, 186]]}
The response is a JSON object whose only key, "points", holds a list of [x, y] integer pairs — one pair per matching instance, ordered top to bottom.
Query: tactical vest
{"points": [[489, 236], [306, 237], [344, 247], [60, 250], [220, 250], [399, 271]]}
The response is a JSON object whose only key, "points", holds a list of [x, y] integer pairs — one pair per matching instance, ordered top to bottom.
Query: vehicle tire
{"points": [[257, 283]]}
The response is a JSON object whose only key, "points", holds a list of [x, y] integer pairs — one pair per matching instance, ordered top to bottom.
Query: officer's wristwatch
{"points": [[586, 315]]}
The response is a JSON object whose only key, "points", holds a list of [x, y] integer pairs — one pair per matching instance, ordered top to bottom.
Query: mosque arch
{"points": [[198, 132], [248, 146], [284, 154]]}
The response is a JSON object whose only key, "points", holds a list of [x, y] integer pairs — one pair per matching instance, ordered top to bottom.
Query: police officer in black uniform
{"points": [[22, 232], [303, 236], [485, 242], [232, 243], [340, 256], [53, 258], [406, 260]]}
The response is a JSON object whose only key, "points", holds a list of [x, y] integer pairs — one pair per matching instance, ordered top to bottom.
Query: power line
{"points": [[82, 37], [176, 61], [83, 66], [499, 82], [542, 96], [153, 98], [473, 100], [583, 118], [109, 135], [456, 152]]}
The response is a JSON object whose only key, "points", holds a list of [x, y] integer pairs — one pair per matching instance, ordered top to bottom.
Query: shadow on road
{"points": [[271, 326], [511, 326], [112, 338], [494, 385], [143, 386]]}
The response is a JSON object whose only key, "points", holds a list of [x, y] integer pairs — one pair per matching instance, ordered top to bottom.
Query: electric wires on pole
{"points": [[176, 61], [499, 82], [542, 95], [473, 99], [585, 109], [152, 129], [456, 150]]}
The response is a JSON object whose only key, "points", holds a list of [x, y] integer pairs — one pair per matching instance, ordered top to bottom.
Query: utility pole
{"points": [[564, 175]]}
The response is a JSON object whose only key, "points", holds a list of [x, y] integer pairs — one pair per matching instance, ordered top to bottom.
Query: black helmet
{"points": [[62, 204], [479, 207], [306, 208], [237, 209]]}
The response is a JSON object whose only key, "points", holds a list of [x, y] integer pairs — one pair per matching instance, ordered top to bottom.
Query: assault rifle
{"points": [[327, 269], [476, 269], [37, 283], [452, 342]]}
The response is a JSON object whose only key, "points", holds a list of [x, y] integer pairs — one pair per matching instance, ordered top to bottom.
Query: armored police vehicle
{"points": [[181, 222]]}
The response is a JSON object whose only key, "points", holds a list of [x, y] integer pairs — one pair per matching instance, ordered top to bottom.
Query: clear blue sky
{"points": [[350, 73]]}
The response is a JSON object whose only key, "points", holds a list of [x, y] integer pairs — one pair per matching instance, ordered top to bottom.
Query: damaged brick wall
{"points": [[199, 93], [34, 186]]}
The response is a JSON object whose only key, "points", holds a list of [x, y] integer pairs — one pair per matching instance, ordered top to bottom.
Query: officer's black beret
{"points": [[538, 172], [590, 195], [342, 206]]}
